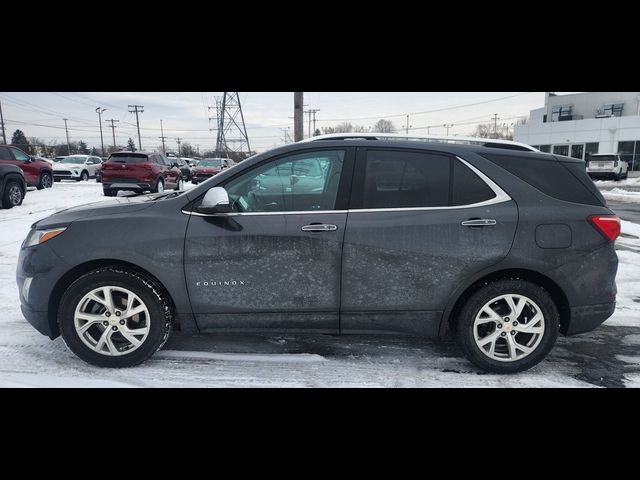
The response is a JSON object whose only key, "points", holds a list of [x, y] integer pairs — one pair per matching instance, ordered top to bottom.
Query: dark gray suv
{"points": [[492, 242]]}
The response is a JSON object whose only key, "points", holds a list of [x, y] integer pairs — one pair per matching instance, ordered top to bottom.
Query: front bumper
{"points": [[65, 176], [588, 317]]}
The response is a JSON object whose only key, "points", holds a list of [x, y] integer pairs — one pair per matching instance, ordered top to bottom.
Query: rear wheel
{"points": [[617, 177], [46, 181], [180, 185], [159, 186], [13, 194], [115, 317], [508, 326]]}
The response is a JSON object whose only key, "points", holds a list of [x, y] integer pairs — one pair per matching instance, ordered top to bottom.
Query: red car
{"points": [[207, 168], [37, 172], [140, 172]]}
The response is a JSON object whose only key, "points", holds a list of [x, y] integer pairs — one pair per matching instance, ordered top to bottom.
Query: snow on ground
{"points": [[630, 182], [620, 195], [28, 359]]}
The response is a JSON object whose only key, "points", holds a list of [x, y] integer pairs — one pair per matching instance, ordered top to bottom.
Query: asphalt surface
{"points": [[626, 211]]}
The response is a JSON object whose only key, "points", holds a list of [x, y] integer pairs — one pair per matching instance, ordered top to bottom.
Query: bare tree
{"points": [[384, 126], [490, 130]]}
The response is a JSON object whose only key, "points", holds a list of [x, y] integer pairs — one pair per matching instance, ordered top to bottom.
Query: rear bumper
{"points": [[602, 174], [126, 186], [588, 317]]}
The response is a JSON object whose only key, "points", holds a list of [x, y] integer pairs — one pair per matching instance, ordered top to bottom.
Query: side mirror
{"points": [[31, 159], [175, 164], [216, 200]]}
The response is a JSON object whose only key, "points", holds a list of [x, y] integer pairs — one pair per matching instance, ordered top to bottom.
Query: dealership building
{"points": [[581, 124]]}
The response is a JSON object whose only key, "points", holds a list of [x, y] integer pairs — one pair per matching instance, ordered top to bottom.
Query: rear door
{"points": [[30, 170], [419, 223], [275, 261]]}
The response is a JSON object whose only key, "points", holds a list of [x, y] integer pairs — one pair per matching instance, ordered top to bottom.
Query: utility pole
{"points": [[100, 111], [136, 111], [312, 112], [298, 121], [495, 123], [448, 126], [113, 129], [67, 130], [407, 131], [4, 135], [162, 137], [179, 141], [198, 149]]}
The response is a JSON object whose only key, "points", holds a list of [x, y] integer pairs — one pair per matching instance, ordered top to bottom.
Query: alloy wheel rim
{"points": [[46, 180], [160, 186], [15, 195], [112, 321], [509, 328]]}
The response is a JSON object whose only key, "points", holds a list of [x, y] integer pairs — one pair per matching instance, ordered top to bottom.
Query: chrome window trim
{"points": [[501, 197]]}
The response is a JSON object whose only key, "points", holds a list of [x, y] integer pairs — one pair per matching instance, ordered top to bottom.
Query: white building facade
{"points": [[581, 124]]}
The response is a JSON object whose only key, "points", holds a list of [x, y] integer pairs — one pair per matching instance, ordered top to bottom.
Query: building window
{"points": [[613, 109], [560, 113], [545, 148], [590, 149], [561, 150], [577, 151], [630, 152]]}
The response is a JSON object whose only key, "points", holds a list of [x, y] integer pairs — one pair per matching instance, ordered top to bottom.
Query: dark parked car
{"points": [[184, 167], [207, 168], [139, 171], [37, 173], [13, 187], [492, 242]]}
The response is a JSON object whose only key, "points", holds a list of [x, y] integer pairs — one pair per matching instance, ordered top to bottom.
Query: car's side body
{"points": [[32, 167], [74, 167], [344, 268]]}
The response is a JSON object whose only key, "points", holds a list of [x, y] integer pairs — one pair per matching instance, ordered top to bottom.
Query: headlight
{"points": [[38, 237]]}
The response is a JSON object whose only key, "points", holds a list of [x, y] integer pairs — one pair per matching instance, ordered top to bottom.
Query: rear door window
{"points": [[4, 154], [468, 188]]}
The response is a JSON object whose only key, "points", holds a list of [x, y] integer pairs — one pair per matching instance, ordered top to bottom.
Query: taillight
{"points": [[607, 225]]}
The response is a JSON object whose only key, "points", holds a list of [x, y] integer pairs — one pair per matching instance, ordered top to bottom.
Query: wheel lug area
{"points": [[117, 313], [107, 314], [506, 319], [122, 322], [105, 323], [515, 324], [499, 325], [114, 328], [513, 332], [503, 334]]}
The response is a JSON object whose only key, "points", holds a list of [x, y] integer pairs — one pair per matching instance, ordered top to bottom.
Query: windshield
{"points": [[602, 158], [73, 160], [213, 162]]}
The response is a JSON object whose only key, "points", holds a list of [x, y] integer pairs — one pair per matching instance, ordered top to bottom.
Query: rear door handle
{"points": [[479, 222], [319, 227]]}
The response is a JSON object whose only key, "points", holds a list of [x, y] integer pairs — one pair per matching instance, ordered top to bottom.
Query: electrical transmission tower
{"points": [[232, 138]]}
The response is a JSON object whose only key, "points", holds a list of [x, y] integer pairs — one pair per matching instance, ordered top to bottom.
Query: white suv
{"points": [[607, 165], [76, 167]]}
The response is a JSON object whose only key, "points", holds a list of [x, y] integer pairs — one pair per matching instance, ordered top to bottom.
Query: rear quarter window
{"points": [[127, 158], [550, 176]]}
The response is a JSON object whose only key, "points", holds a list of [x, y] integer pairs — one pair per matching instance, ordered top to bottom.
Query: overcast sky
{"points": [[185, 114]]}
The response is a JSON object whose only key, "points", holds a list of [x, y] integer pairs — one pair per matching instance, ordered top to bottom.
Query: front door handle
{"points": [[479, 222], [319, 227]]}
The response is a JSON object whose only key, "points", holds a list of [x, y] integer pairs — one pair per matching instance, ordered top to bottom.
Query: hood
{"points": [[207, 170], [121, 205]]}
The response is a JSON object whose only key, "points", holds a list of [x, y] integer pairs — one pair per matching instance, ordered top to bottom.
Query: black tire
{"points": [[84, 177], [616, 178], [46, 181], [180, 181], [155, 190], [109, 193], [13, 194], [152, 294], [467, 315]]}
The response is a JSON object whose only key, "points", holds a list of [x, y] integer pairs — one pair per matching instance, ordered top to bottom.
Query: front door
{"points": [[415, 232], [275, 260]]}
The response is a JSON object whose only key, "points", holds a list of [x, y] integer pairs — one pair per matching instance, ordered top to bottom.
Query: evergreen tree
{"points": [[20, 140], [131, 146], [82, 148], [94, 151]]}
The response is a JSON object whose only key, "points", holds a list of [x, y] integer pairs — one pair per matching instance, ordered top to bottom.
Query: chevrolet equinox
{"points": [[492, 242]]}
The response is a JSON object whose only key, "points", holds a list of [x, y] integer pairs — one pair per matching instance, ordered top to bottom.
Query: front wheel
{"points": [[84, 177], [46, 181], [180, 185], [13, 195], [115, 317], [508, 326]]}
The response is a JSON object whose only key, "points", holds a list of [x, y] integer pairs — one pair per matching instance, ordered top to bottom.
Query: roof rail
{"points": [[487, 142]]}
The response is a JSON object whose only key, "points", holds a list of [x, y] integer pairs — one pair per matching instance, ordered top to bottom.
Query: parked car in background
{"points": [[59, 158], [190, 161], [607, 166], [76, 167], [184, 167], [207, 168], [98, 171], [140, 172], [37, 173], [13, 187], [494, 243]]}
